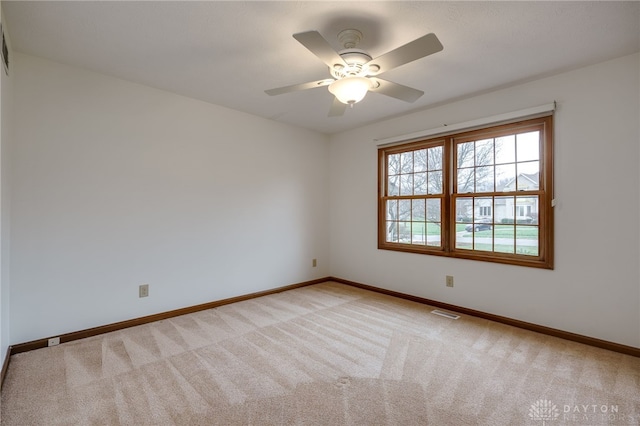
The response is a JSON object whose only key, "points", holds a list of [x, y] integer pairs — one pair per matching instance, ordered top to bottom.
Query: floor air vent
{"points": [[445, 314]]}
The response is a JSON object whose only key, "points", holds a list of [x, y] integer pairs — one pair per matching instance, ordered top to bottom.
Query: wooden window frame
{"points": [[447, 247]]}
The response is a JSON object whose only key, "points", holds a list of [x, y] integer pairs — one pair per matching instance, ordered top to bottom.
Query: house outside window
{"points": [[484, 211]]}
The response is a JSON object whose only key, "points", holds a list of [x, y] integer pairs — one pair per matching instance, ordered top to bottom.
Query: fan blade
{"points": [[320, 47], [416, 49], [302, 86], [395, 90], [337, 108]]}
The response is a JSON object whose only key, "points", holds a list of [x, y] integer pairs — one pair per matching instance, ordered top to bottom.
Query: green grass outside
{"points": [[432, 228], [499, 231], [504, 231], [501, 248]]}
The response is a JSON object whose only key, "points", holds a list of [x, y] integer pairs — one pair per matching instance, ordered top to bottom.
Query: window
{"points": [[483, 195], [484, 210]]}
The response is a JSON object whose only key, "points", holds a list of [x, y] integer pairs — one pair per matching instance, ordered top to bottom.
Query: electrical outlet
{"points": [[314, 263], [449, 280], [143, 290], [54, 341]]}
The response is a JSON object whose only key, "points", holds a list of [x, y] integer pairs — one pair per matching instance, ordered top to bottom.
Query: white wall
{"points": [[6, 93], [116, 184], [595, 287]]}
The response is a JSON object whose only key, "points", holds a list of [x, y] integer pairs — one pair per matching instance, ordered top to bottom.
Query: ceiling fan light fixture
{"points": [[350, 90]]}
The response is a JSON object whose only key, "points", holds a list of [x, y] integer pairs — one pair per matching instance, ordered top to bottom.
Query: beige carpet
{"points": [[327, 354]]}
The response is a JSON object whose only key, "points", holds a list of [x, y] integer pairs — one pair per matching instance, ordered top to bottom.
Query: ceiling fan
{"points": [[354, 72]]}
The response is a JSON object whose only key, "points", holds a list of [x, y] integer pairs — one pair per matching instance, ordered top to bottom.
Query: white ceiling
{"points": [[228, 53]]}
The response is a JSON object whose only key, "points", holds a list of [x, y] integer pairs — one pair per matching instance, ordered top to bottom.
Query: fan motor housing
{"points": [[356, 61]]}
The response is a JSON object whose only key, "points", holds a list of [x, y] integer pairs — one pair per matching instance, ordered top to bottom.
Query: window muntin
{"points": [[481, 195]]}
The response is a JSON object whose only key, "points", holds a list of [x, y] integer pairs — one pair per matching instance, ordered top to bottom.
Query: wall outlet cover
{"points": [[143, 290]]}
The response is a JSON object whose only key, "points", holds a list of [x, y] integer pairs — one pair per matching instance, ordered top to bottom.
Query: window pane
{"points": [[528, 145], [506, 149], [484, 152], [466, 153], [435, 158], [420, 160], [406, 162], [393, 164], [529, 167], [528, 176], [506, 177], [484, 179], [466, 181], [435, 182], [420, 183], [406, 184], [394, 185], [392, 209], [404, 210], [418, 210], [433, 210], [464, 210], [503, 210], [526, 210], [419, 225], [482, 226], [405, 231], [392, 232], [418, 233], [434, 234], [464, 238], [505, 239], [483, 240], [527, 240]]}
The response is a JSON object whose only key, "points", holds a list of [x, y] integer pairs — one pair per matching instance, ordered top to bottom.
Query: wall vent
{"points": [[445, 314]]}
